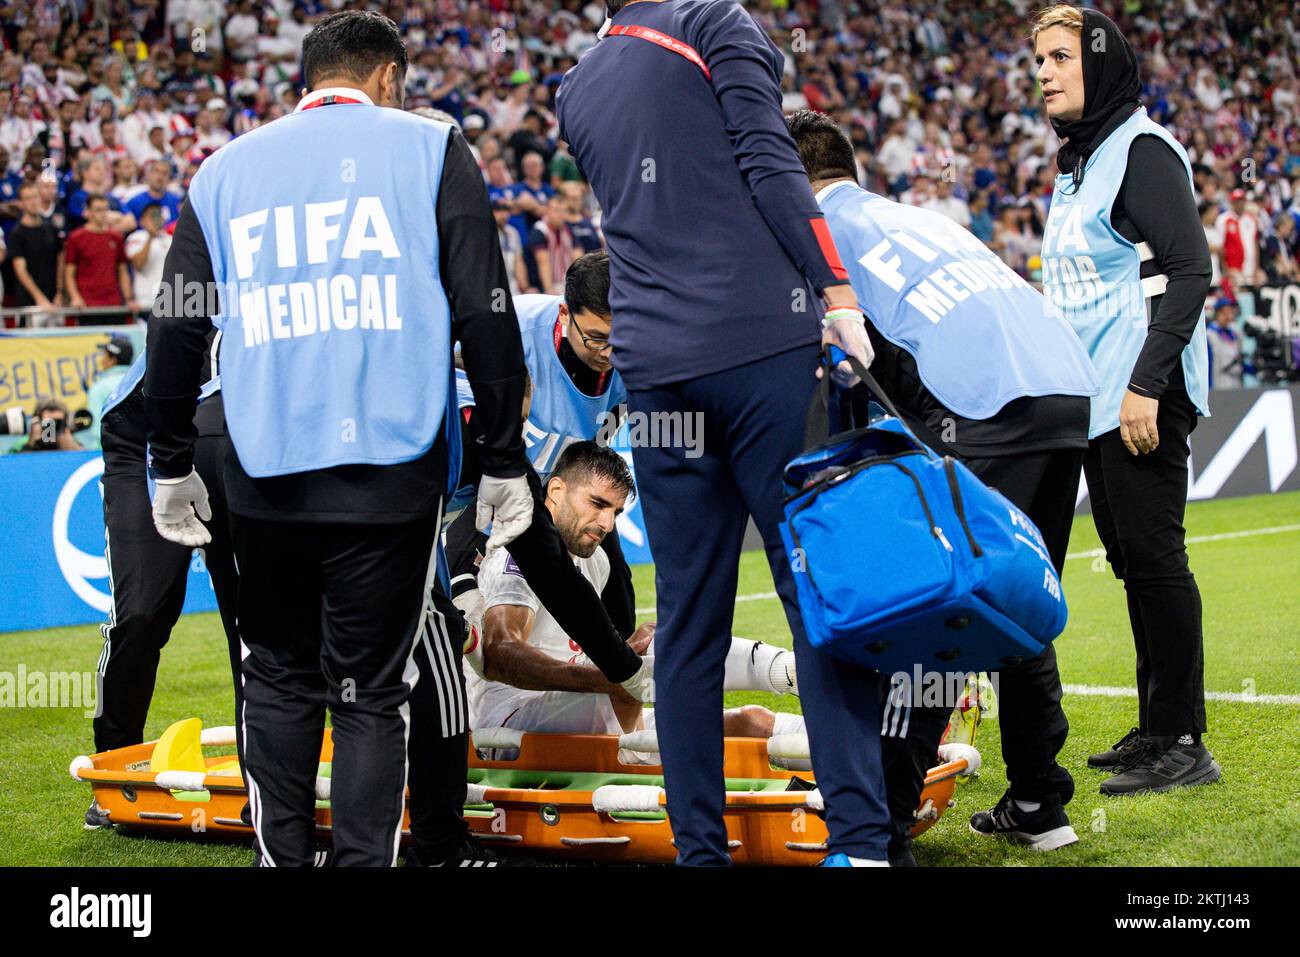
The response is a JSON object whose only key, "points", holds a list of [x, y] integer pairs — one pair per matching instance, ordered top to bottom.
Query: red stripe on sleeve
{"points": [[824, 240]]}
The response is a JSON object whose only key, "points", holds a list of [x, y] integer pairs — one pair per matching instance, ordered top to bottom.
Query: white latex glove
{"points": [[847, 328], [178, 504], [507, 505], [642, 684]]}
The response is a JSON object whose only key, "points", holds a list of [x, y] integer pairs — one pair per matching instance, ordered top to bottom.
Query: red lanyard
{"points": [[663, 40], [329, 101]]}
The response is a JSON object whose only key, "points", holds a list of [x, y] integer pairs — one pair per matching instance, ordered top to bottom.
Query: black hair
{"points": [[352, 44], [825, 151], [586, 284], [587, 460]]}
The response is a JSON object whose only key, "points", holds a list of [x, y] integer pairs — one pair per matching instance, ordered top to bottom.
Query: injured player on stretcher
{"points": [[525, 673]]}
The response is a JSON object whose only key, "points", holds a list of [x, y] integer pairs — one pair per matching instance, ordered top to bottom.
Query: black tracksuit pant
{"points": [[1044, 485], [1138, 504], [148, 573], [330, 614], [439, 743]]}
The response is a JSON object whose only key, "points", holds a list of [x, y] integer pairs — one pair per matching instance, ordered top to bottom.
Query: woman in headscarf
{"points": [[1125, 258]]}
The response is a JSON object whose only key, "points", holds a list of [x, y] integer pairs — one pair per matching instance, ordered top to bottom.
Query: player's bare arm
{"points": [[510, 659]]}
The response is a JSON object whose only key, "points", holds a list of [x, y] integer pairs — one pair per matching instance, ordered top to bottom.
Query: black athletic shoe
{"points": [[1114, 756], [1181, 764], [96, 817], [1045, 829], [468, 854], [900, 854], [321, 856]]}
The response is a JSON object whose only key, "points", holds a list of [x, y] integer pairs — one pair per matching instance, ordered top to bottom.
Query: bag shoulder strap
{"points": [[817, 423]]}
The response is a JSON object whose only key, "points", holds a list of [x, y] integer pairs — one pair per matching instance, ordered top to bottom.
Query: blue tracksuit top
{"points": [[717, 247]]}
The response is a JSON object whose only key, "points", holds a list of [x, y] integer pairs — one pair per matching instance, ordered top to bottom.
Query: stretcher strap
{"points": [[218, 737], [505, 738], [640, 742], [960, 752], [612, 798]]}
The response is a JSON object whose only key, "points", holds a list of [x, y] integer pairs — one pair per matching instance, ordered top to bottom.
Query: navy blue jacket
{"points": [[718, 250]]}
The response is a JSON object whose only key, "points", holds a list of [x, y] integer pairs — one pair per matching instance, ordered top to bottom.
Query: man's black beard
{"points": [[576, 539]]}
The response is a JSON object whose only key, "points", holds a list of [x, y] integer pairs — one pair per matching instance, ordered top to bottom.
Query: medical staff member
{"points": [[343, 239], [1125, 258], [719, 263], [985, 369], [576, 396], [147, 574]]}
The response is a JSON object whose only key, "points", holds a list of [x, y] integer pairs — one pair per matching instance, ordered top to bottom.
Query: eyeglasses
{"points": [[594, 343]]}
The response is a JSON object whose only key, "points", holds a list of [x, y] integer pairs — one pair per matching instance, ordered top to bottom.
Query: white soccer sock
{"points": [[755, 666], [863, 862]]}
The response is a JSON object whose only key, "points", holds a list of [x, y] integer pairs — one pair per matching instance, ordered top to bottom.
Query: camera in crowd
{"points": [[1273, 361], [48, 427]]}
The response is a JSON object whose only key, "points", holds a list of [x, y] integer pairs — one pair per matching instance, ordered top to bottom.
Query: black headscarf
{"points": [[1111, 86]]}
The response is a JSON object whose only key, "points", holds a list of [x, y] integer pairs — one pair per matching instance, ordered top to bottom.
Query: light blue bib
{"points": [[1092, 274], [336, 331], [981, 336], [560, 413]]}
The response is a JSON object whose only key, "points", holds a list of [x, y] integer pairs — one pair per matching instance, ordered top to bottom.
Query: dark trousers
{"points": [[210, 450], [1044, 486], [1138, 504], [696, 510], [147, 576], [330, 615], [439, 742]]}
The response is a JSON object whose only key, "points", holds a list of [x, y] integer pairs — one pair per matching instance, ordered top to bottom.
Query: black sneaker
{"points": [[1114, 756], [1183, 763], [97, 817], [1045, 829], [468, 854], [900, 854], [321, 856]]}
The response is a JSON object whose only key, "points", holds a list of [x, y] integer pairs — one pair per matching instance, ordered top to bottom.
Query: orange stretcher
{"points": [[566, 796]]}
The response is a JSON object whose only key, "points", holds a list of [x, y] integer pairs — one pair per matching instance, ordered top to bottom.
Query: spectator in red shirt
{"points": [[96, 271]]}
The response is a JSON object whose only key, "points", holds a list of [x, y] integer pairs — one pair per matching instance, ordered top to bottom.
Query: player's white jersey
{"points": [[502, 583]]}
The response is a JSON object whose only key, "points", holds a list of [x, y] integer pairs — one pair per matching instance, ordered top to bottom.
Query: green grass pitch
{"points": [[1251, 590]]}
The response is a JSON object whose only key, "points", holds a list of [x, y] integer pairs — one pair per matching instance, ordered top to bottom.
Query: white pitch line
{"points": [[1200, 539], [1092, 553], [756, 596], [1241, 697]]}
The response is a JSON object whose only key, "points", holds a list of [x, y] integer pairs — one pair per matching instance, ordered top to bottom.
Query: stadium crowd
{"points": [[124, 99]]}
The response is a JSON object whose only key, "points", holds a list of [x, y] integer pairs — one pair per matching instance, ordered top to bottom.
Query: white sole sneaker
{"points": [[1047, 841]]}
